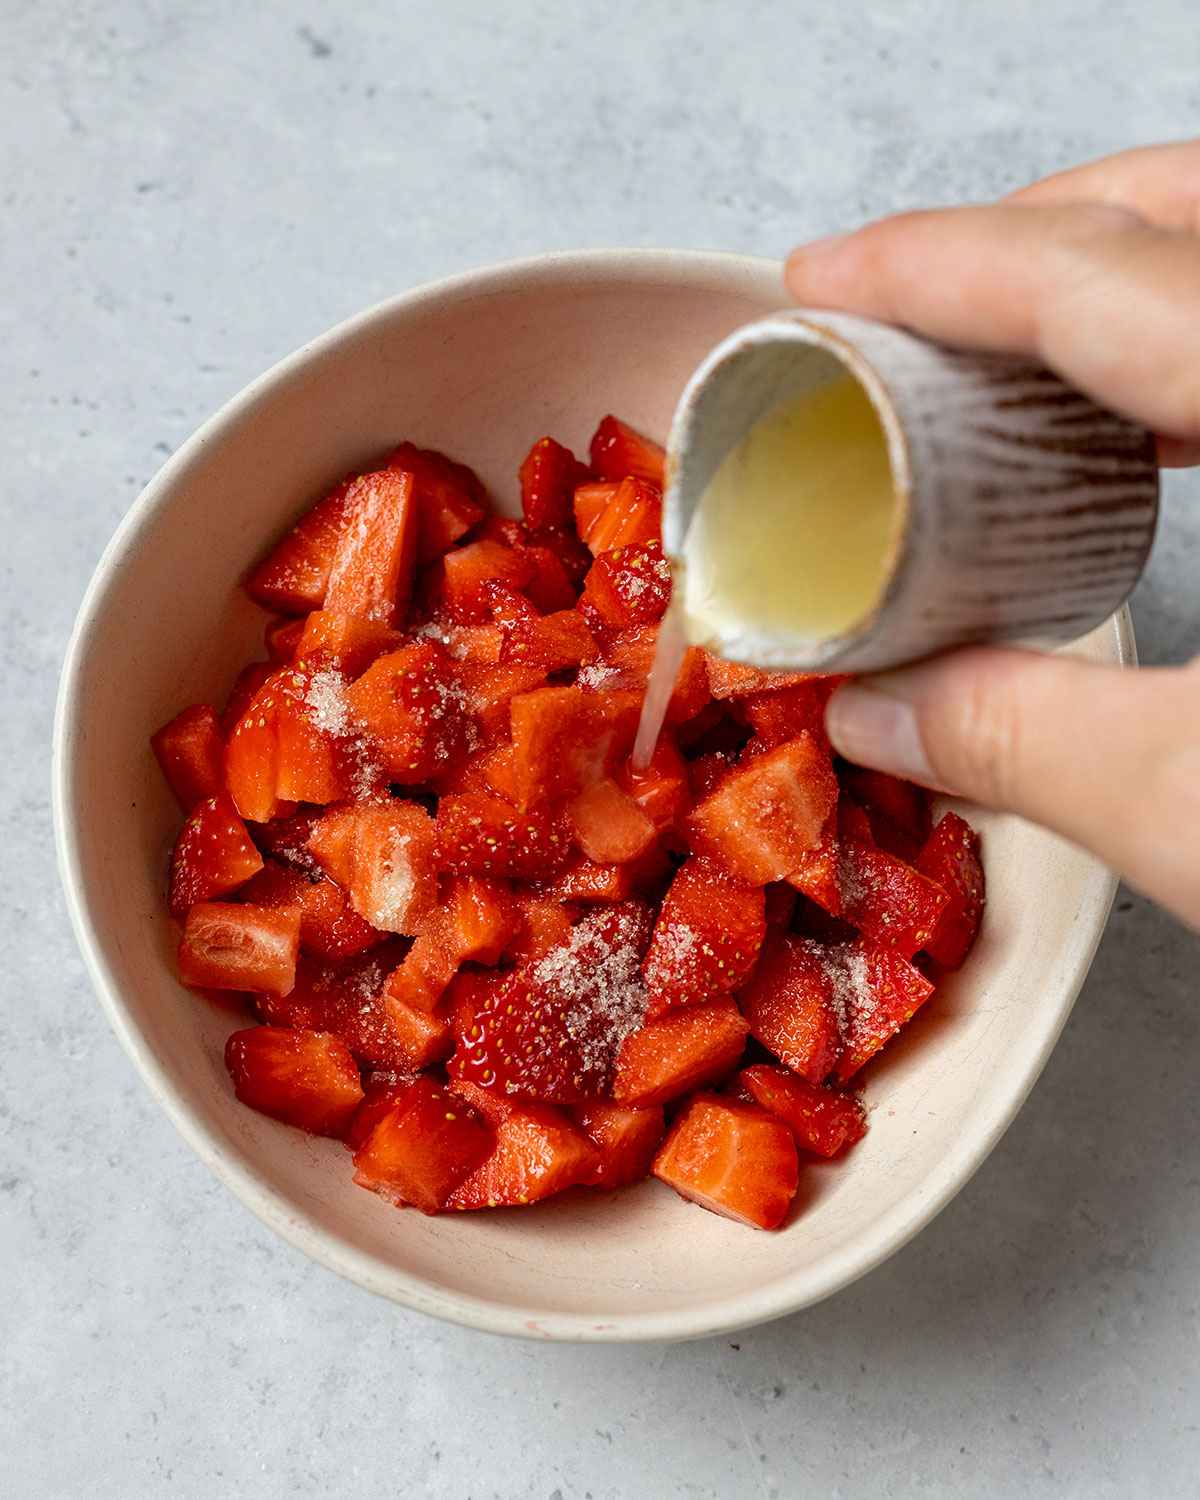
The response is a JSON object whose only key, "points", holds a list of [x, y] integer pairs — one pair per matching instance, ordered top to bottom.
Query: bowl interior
{"points": [[481, 366]]}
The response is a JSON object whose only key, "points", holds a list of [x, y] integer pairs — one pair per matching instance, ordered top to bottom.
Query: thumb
{"points": [[1107, 757]]}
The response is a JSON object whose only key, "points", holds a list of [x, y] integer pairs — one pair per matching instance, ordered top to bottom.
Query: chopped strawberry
{"points": [[617, 449], [549, 475], [449, 498], [590, 502], [632, 516], [559, 565], [372, 569], [468, 570], [294, 575], [628, 586], [282, 638], [347, 642], [552, 642], [633, 652], [732, 679], [491, 687], [241, 694], [411, 712], [784, 713], [565, 738], [191, 752], [707, 772], [660, 788], [898, 810], [764, 816], [610, 827], [479, 835], [287, 839], [213, 855], [950, 857], [383, 858], [817, 875], [590, 883], [891, 904], [474, 924], [544, 924], [330, 928], [707, 937], [227, 947], [428, 967], [877, 992], [789, 1004], [415, 1037], [682, 1050], [304, 1078], [382, 1091], [824, 1121], [625, 1137], [423, 1147], [537, 1152], [733, 1159]]}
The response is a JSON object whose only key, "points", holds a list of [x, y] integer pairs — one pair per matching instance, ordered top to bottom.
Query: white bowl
{"points": [[481, 365]]}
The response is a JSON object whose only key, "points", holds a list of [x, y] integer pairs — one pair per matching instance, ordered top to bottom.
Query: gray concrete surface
{"points": [[190, 190]]}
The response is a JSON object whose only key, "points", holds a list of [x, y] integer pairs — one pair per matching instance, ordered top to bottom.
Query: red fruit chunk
{"points": [[617, 449], [549, 475], [449, 498], [590, 502], [633, 515], [468, 570], [557, 571], [371, 574], [293, 577], [628, 586], [282, 637], [347, 642], [551, 642], [633, 652], [733, 679], [490, 689], [241, 695], [411, 712], [783, 714], [565, 738], [191, 752], [660, 788], [904, 807], [764, 816], [610, 827], [479, 835], [287, 839], [213, 855], [383, 858], [951, 858], [817, 875], [585, 881], [891, 904], [474, 924], [544, 924], [330, 928], [707, 937], [226, 947], [428, 967], [876, 992], [789, 1004], [416, 1037], [681, 1051], [304, 1078], [381, 1093], [822, 1120], [626, 1139], [423, 1147], [537, 1152], [733, 1159]]}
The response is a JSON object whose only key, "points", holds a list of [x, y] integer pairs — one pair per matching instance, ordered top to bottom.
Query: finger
{"points": [[1161, 183], [1106, 300], [1107, 757]]}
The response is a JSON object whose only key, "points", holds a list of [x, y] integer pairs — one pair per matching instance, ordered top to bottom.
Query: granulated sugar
{"points": [[326, 702], [849, 976], [596, 978]]}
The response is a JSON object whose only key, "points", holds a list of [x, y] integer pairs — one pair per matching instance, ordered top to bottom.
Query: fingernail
{"points": [[801, 259], [877, 729]]}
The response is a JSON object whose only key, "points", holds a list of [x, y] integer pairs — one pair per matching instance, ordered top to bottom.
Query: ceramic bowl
{"points": [[481, 365]]}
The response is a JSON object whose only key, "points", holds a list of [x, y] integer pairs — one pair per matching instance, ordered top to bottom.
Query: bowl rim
{"points": [[722, 1315]]}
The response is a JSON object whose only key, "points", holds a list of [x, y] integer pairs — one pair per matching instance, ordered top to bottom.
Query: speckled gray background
{"points": [[191, 190]]}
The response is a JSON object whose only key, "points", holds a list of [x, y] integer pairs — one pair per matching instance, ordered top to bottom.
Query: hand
{"points": [[1096, 271]]}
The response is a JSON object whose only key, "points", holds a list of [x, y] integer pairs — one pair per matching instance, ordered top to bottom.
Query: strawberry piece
{"points": [[617, 449], [549, 475], [449, 498], [589, 503], [632, 516], [372, 569], [468, 570], [558, 571], [294, 575], [628, 586], [282, 638], [348, 642], [551, 642], [633, 652], [733, 679], [491, 688], [241, 695], [411, 712], [783, 714], [565, 738], [191, 753], [707, 772], [660, 788], [898, 811], [764, 816], [853, 825], [610, 827], [479, 835], [287, 839], [213, 855], [950, 857], [383, 858], [817, 875], [590, 883], [891, 904], [474, 924], [544, 924], [330, 928], [707, 937], [226, 947], [429, 965], [876, 992], [789, 1004], [416, 1037], [680, 1051], [304, 1078], [382, 1091], [822, 1120], [626, 1139], [423, 1147], [537, 1152], [733, 1159]]}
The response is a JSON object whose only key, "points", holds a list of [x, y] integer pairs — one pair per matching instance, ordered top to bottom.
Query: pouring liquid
{"points": [[792, 536]]}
